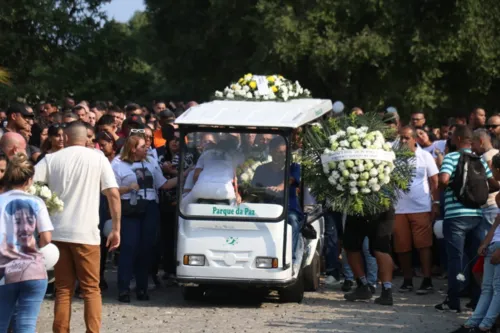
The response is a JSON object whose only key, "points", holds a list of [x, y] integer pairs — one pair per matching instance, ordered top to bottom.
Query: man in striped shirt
{"points": [[460, 223]]}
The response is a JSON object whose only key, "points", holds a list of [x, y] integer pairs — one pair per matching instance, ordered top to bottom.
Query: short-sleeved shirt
{"points": [[146, 174], [77, 175], [266, 176], [418, 199], [452, 207], [21, 216]]}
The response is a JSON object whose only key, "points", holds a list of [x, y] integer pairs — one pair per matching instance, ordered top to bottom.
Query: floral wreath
{"points": [[263, 88]]}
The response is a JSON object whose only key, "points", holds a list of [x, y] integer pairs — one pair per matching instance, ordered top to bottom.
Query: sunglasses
{"points": [[58, 125], [137, 131]]}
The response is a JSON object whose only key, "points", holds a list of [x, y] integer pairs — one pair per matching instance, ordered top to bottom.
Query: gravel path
{"points": [[230, 310]]}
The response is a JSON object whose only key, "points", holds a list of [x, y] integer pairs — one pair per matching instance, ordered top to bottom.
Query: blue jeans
{"points": [[490, 214], [295, 221], [461, 234], [138, 236], [333, 266], [371, 268], [25, 298], [488, 307]]}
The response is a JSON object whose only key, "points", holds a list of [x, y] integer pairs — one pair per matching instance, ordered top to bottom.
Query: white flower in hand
{"points": [[45, 193], [461, 277]]}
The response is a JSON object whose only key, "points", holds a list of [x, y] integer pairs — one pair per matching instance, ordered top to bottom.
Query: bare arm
{"points": [[444, 180], [169, 184], [493, 184], [434, 187], [115, 208], [45, 238]]}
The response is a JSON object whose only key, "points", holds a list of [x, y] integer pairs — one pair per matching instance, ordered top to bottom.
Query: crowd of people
{"points": [[121, 167]]}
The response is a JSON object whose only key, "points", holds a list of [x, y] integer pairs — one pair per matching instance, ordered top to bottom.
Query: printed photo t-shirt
{"points": [[21, 216]]}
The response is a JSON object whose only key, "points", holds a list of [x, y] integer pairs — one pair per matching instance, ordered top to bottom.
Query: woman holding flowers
{"points": [[23, 278]]}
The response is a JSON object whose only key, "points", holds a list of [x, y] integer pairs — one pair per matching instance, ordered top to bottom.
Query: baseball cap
{"points": [[20, 108], [167, 114]]}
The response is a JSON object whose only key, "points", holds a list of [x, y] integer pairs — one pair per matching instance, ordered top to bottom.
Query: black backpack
{"points": [[470, 185]]}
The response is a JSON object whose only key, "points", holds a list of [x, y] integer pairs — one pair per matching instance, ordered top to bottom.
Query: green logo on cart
{"points": [[232, 211], [231, 241]]}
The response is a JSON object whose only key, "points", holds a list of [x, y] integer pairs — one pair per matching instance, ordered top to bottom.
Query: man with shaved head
{"points": [[12, 143], [77, 175]]}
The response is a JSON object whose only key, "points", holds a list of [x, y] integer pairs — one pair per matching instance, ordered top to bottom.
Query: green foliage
{"points": [[317, 139]]}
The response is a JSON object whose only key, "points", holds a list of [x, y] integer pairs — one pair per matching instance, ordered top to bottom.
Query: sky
{"points": [[122, 10]]}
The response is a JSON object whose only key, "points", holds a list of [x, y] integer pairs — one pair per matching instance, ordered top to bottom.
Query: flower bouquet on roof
{"points": [[263, 88], [349, 165], [52, 201]]}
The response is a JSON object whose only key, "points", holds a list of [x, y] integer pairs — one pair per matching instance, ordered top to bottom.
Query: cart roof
{"points": [[291, 114]]}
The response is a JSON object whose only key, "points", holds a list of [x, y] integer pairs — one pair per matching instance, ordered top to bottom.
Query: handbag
{"points": [[140, 207]]}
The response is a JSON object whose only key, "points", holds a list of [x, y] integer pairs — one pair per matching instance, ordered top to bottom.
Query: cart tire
{"points": [[312, 274], [193, 293], [293, 293]]}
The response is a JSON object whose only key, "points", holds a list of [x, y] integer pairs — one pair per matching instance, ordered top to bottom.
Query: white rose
{"points": [[246, 88], [219, 94], [230, 95], [249, 95], [265, 97], [364, 128], [350, 130], [340, 134], [362, 135], [333, 138], [344, 143], [366, 143], [377, 162], [341, 165], [361, 168], [355, 169], [387, 170], [373, 172], [335, 174], [353, 176], [332, 180], [387, 180], [373, 181], [353, 184], [339, 187], [375, 187], [32, 190], [365, 190], [354, 191], [45, 192]]}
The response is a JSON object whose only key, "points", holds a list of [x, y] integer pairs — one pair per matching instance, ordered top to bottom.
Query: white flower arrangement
{"points": [[263, 88], [247, 170], [360, 175], [52, 201]]}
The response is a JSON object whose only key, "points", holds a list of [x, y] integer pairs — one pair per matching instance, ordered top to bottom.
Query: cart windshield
{"points": [[237, 175]]}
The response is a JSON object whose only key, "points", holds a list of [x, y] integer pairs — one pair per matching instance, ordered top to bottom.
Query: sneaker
{"points": [[156, 281], [332, 281], [347, 285], [406, 287], [373, 288], [425, 288], [360, 293], [142, 296], [124, 297], [385, 297], [445, 307], [464, 329]]}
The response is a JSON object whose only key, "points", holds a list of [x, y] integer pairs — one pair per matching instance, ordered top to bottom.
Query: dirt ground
{"points": [[230, 310]]}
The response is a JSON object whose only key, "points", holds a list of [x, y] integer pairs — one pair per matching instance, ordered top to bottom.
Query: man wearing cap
{"points": [[166, 117], [20, 118]]}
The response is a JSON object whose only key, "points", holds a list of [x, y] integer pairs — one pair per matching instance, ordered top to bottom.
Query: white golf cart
{"points": [[249, 245]]}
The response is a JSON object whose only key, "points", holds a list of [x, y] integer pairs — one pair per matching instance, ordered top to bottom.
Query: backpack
{"points": [[470, 185]]}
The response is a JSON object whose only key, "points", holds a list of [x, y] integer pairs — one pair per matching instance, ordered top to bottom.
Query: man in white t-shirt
{"points": [[482, 145], [77, 175], [415, 212]]}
